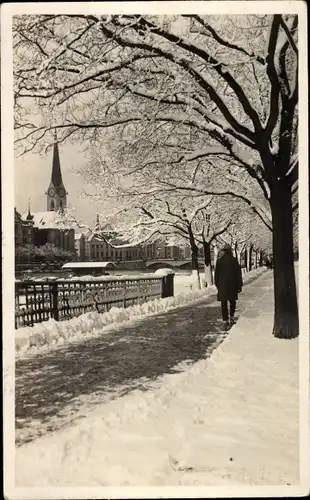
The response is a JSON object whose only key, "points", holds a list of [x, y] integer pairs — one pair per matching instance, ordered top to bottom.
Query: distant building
{"points": [[43, 227], [18, 228], [24, 228], [46, 231], [99, 245], [80, 246], [98, 248], [124, 251], [149, 251], [172, 251], [185, 252]]}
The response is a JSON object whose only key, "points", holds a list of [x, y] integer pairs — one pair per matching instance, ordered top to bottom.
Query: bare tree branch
{"points": [[289, 35], [221, 40]]}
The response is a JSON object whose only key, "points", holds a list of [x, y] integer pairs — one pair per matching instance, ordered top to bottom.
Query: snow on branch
{"points": [[289, 35], [222, 41], [221, 69], [197, 74], [272, 75], [201, 153], [255, 207], [220, 231]]}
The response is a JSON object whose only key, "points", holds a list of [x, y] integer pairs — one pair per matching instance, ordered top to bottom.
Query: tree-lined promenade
{"points": [[191, 121], [53, 384], [90, 413]]}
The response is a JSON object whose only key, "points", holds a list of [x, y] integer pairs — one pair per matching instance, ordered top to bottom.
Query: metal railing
{"points": [[63, 299]]}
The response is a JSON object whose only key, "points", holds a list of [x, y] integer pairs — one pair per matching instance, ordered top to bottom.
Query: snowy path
{"points": [[54, 388], [230, 419]]}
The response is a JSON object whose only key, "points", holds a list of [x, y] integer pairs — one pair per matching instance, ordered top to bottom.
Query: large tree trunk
{"points": [[207, 263], [286, 308]]}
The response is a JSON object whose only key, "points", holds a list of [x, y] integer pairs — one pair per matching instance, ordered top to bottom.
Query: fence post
{"points": [[168, 285], [139, 292], [124, 298], [54, 304]]}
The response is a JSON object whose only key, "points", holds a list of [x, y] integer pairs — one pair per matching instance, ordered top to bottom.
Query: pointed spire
{"points": [[56, 171], [29, 216], [97, 225]]}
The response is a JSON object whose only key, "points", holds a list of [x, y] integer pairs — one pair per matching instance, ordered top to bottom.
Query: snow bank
{"points": [[164, 271], [110, 277], [49, 334], [231, 419]]}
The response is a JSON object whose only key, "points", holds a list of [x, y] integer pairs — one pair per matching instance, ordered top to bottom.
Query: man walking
{"points": [[228, 281]]}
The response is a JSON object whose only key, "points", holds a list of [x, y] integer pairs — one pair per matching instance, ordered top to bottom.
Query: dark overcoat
{"points": [[228, 277]]}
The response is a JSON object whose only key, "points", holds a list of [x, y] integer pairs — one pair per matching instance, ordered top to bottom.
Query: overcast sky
{"points": [[32, 177]]}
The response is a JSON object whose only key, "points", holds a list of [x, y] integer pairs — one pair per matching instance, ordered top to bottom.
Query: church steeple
{"points": [[56, 172], [56, 194], [29, 216], [97, 225]]}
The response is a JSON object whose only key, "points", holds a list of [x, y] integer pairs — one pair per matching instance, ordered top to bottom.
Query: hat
{"points": [[226, 247]]}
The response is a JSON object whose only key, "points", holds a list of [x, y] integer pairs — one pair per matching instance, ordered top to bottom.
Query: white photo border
{"points": [[203, 7]]}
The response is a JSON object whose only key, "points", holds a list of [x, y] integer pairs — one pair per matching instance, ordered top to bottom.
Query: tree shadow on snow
{"points": [[51, 387]]}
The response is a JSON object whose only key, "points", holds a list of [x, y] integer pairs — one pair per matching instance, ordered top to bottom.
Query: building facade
{"points": [[23, 228], [40, 228], [80, 246], [97, 248]]}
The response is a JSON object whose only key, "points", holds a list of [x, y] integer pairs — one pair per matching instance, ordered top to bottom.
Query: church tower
{"points": [[56, 193], [97, 225]]}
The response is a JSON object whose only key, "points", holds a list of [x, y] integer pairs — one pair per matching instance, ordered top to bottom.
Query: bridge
{"points": [[172, 263]]}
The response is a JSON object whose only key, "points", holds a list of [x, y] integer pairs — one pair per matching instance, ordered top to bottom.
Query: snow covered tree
{"points": [[232, 79], [147, 202], [170, 217], [210, 223], [248, 235], [45, 253]]}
